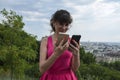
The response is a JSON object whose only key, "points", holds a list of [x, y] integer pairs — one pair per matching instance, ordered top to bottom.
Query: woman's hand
{"points": [[61, 47], [75, 49], [76, 55]]}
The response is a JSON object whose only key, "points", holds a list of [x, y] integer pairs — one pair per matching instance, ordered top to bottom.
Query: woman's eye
{"points": [[66, 24]]}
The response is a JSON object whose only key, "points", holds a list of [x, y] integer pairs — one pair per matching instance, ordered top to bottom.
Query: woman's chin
{"points": [[63, 31]]}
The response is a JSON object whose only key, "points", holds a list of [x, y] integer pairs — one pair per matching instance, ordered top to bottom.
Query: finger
{"points": [[61, 42], [77, 44], [66, 45], [72, 46], [71, 49]]}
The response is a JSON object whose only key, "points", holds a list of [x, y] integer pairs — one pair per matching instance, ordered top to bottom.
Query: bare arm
{"points": [[76, 56], [75, 62], [45, 64]]}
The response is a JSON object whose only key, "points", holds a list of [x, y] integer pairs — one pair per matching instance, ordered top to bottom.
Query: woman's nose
{"points": [[65, 28]]}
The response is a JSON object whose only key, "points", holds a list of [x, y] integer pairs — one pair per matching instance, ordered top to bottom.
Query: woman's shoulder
{"points": [[44, 39]]}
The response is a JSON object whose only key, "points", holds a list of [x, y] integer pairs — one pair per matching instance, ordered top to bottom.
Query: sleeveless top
{"points": [[61, 68]]}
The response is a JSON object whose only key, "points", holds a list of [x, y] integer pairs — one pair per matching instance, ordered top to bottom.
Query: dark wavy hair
{"points": [[61, 16]]}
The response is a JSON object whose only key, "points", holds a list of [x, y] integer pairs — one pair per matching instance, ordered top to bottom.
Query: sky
{"points": [[94, 20]]}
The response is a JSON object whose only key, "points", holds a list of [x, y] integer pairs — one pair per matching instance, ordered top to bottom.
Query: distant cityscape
{"points": [[104, 51]]}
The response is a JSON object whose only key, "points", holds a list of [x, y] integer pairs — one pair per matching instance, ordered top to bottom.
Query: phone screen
{"points": [[76, 38]]}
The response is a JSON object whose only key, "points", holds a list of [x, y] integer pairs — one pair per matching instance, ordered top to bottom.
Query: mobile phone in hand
{"points": [[76, 38]]}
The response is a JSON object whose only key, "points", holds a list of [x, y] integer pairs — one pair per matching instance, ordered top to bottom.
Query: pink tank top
{"points": [[61, 69]]}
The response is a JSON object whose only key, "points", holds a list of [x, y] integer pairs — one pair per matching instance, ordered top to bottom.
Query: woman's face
{"points": [[61, 27]]}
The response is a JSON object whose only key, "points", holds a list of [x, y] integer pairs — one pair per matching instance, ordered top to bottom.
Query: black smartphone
{"points": [[76, 38]]}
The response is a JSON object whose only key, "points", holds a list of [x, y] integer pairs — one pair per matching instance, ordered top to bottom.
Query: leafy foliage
{"points": [[12, 19], [18, 49], [87, 58]]}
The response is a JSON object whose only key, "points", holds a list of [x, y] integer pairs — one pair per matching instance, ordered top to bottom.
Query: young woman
{"points": [[57, 62]]}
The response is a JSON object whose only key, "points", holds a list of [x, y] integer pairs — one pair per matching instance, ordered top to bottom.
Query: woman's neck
{"points": [[55, 35]]}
